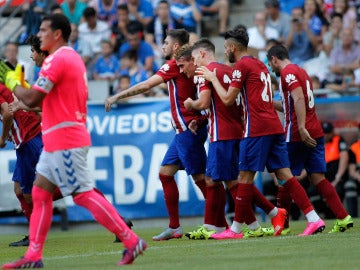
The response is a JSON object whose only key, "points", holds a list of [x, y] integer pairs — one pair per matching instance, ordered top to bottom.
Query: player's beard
{"points": [[168, 56], [232, 57]]}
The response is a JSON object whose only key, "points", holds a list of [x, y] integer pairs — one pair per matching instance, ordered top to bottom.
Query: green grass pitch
{"points": [[94, 249]]}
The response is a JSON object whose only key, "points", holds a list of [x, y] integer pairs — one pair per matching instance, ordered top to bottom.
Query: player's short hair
{"points": [[59, 22], [179, 35], [239, 36], [34, 42], [205, 44], [279, 51], [183, 52]]}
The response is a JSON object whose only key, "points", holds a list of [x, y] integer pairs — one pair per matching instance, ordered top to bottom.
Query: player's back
{"points": [[292, 77], [253, 79], [225, 121]]}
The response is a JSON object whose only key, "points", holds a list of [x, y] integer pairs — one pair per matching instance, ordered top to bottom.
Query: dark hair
{"points": [[162, 2], [55, 7], [123, 7], [89, 12], [336, 14], [59, 21], [135, 27], [240, 27], [180, 35], [238, 35], [34, 42], [204, 43], [279, 51], [183, 52], [131, 54], [124, 76]]}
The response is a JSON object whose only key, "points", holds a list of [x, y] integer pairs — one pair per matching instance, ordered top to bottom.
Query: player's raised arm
{"points": [[138, 88]]}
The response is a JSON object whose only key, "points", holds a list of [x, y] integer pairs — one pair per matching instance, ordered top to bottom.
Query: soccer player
{"points": [[62, 90], [225, 131], [304, 134], [263, 143], [186, 151]]}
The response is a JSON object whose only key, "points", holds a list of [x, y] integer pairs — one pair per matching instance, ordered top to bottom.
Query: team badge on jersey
{"points": [[165, 68], [236, 75], [200, 80]]}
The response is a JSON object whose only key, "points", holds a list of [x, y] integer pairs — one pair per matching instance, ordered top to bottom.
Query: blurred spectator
{"points": [[288, 5], [220, 7], [56, 9], [73, 10], [106, 10], [140, 10], [33, 13], [186, 14], [349, 16], [277, 19], [316, 21], [119, 29], [156, 29], [93, 30], [260, 33], [332, 37], [300, 41], [80, 45], [144, 50], [11, 54], [37, 55], [345, 59], [107, 65], [131, 67], [315, 82], [123, 84], [347, 85], [354, 172]]}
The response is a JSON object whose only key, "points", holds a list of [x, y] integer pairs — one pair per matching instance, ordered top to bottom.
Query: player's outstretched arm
{"points": [[139, 88]]}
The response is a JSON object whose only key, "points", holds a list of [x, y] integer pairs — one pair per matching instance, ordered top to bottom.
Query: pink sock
{"points": [[171, 196], [105, 213], [40, 222]]}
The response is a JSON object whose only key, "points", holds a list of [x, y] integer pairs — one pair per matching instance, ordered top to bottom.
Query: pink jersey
{"points": [[251, 76], [292, 76], [63, 78], [180, 88], [225, 122], [26, 125]]}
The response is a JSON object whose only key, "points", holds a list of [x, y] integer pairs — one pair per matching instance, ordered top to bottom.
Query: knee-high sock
{"points": [[202, 186], [233, 192], [328, 192], [298, 194], [171, 196], [283, 200], [261, 201], [215, 206], [26, 207], [244, 212], [105, 213], [40, 222]]}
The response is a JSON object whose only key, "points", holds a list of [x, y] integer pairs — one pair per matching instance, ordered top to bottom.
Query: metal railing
{"points": [[6, 20]]}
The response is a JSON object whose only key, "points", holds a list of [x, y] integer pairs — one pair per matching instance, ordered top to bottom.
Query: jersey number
{"points": [[266, 93], [310, 94]]}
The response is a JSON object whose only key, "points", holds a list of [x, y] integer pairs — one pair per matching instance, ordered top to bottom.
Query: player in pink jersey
{"points": [[304, 134], [66, 142], [263, 143], [186, 151]]}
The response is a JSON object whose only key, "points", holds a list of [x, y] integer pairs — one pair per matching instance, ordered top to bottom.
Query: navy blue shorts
{"points": [[264, 151], [188, 152], [27, 156], [304, 157], [223, 160]]}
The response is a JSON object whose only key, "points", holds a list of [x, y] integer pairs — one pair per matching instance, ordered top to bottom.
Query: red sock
{"points": [[202, 186], [233, 191], [298, 194], [171, 196], [332, 198], [283, 199], [261, 201], [221, 202], [243, 204], [215, 206], [26, 207], [105, 213], [40, 222]]}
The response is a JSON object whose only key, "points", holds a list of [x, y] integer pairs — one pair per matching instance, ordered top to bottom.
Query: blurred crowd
{"points": [[120, 40]]}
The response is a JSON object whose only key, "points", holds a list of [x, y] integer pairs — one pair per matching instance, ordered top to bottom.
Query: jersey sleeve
{"points": [[168, 71], [50, 73], [237, 78], [290, 79], [5, 95]]}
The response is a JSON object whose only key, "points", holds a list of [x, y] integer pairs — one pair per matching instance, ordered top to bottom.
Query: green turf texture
{"points": [[94, 249]]}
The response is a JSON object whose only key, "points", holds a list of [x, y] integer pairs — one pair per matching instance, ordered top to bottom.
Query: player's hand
{"points": [[206, 73], [108, 102], [188, 104], [193, 126], [306, 138]]}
